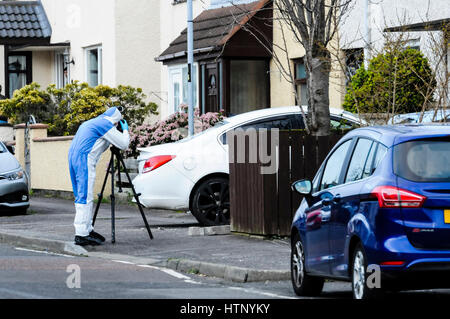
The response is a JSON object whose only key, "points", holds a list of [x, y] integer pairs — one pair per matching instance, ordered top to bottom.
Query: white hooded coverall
{"points": [[91, 140]]}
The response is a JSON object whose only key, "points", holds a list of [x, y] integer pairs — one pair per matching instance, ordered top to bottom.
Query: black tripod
{"points": [[115, 153]]}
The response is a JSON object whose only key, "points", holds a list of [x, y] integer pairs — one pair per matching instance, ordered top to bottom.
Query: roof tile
{"points": [[20, 19], [212, 26]]}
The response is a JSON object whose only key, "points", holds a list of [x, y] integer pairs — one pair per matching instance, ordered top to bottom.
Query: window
{"points": [[413, 44], [354, 58], [94, 66], [61, 69], [19, 71], [300, 81], [249, 85], [178, 86], [285, 122], [381, 151], [359, 159], [423, 160], [369, 168], [332, 171]]}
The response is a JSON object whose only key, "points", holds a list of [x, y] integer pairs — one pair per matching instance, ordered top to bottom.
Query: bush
{"points": [[405, 72], [29, 100], [64, 110], [172, 129]]}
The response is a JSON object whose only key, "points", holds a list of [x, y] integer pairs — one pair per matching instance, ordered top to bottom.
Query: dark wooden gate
{"points": [[264, 204]]}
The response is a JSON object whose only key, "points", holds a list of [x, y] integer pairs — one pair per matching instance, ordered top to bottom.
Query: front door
{"points": [[211, 88]]}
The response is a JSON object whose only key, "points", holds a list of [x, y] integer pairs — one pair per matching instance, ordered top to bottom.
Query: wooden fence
{"points": [[264, 204]]}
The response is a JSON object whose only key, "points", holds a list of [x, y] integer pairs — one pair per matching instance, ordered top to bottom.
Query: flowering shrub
{"points": [[65, 109], [172, 129]]}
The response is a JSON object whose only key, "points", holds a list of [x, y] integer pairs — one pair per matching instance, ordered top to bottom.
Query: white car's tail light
{"points": [[156, 161], [391, 197]]}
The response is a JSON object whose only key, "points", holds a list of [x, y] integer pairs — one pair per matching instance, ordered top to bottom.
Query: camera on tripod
{"points": [[119, 126], [116, 157]]}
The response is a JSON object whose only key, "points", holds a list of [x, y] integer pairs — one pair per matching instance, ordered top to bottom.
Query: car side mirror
{"points": [[11, 149], [303, 187]]}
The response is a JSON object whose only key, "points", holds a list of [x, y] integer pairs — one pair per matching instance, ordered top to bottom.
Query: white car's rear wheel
{"points": [[211, 202]]}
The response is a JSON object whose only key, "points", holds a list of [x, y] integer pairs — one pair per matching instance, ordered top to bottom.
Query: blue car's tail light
{"points": [[393, 197]]}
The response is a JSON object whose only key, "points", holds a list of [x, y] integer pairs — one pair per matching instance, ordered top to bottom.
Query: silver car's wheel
{"points": [[298, 261], [359, 275], [303, 284]]}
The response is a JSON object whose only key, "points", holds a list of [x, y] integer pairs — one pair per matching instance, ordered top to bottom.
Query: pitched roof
{"points": [[23, 21], [435, 25], [213, 28]]}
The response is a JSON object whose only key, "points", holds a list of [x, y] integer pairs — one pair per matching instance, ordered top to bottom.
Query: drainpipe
{"points": [[367, 35], [190, 47]]}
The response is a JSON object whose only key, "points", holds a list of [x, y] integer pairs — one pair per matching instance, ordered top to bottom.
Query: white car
{"points": [[192, 174]]}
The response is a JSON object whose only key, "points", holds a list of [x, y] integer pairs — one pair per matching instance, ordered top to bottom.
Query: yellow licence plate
{"points": [[447, 216]]}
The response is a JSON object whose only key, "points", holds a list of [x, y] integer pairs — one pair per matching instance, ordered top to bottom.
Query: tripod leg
{"points": [[100, 196], [136, 197], [113, 203]]}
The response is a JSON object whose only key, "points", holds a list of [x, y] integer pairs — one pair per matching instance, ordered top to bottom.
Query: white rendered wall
{"points": [[173, 22], [85, 23], [137, 44]]}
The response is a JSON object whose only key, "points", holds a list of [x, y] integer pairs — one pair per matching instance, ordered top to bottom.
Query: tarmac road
{"points": [[27, 274], [31, 274], [35, 275]]}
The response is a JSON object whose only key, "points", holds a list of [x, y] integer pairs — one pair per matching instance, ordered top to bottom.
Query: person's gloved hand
{"points": [[124, 125]]}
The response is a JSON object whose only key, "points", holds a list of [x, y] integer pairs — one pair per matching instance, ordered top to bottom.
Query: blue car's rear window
{"points": [[423, 160]]}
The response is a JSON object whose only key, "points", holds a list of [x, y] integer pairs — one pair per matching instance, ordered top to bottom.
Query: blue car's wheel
{"points": [[303, 284], [360, 287]]}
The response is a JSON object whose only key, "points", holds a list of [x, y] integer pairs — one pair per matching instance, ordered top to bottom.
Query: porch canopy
{"points": [[24, 23], [232, 46]]}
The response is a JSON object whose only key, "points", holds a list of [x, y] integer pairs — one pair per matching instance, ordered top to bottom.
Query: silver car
{"points": [[14, 195]]}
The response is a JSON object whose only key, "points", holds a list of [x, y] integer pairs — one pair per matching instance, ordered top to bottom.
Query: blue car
{"points": [[378, 206]]}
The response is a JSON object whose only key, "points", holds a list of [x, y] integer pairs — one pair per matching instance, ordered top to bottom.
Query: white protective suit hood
{"points": [[115, 117]]}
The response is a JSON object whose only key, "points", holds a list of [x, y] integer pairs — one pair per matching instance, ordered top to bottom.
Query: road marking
{"points": [[43, 252], [123, 262], [170, 272], [22, 294], [268, 294]]}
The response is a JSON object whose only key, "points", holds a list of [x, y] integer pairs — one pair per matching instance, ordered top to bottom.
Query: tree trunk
{"points": [[319, 99]]}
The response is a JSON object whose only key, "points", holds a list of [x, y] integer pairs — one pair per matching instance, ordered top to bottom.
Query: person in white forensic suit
{"points": [[92, 139]]}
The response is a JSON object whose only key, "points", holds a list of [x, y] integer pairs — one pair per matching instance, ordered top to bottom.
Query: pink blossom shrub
{"points": [[171, 129]]}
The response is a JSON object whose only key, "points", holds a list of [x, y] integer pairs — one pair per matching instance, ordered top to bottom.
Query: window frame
{"points": [[99, 49], [28, 68], [178, 69], [299, 82], [222, 136], [365, 162], [344, 166]]}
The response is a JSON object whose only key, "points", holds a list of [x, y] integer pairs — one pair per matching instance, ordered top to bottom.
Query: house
{"points": [[173, 20], [419, 21], [99, 42], [231, 70]]}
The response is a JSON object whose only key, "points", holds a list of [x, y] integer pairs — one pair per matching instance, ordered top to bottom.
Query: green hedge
{"points": [[406, 72], [64, 110]]}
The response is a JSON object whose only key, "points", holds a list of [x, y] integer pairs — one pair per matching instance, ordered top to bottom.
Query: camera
{"points": [[119, 127]]}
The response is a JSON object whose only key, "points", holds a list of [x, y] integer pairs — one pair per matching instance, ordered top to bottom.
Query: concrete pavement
{"points": [[48, 226]]}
